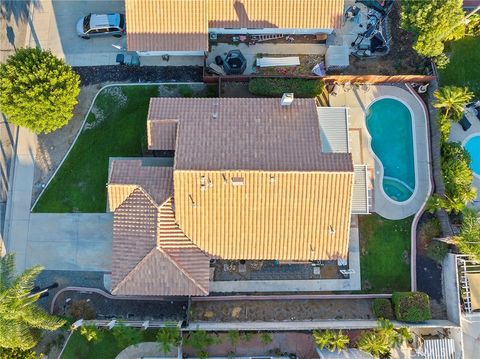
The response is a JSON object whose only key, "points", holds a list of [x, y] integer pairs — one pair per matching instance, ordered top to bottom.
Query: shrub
{"points": [[276, 87], [38, 90], [185, 91], [437, 250], [411, 307], [382, 308], [82, 309], [90, 332], [266, 338], [331, 340]]}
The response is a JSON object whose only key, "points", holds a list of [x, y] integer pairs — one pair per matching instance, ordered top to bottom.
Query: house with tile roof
{"points": [[182, 27], [251, 180]]}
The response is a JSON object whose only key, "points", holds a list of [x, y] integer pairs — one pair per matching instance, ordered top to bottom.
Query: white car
{"points": [[98, 25]]}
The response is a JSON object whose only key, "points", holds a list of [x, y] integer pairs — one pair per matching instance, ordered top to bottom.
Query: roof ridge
{"points": [[186, 273]]}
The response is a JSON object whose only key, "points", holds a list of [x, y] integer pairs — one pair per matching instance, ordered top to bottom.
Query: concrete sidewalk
{"points": [[20, 195]]}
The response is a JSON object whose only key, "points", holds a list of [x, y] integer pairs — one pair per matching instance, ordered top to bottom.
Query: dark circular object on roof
{"points": [[234, 63]]}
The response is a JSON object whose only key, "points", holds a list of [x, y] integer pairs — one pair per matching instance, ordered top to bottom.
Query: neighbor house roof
{"points": [[171, 25], [182, 25], [251, 180], [151, 255]]}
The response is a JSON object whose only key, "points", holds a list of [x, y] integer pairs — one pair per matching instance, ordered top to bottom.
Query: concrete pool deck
{"points": [[358, 100], [457, 134]]}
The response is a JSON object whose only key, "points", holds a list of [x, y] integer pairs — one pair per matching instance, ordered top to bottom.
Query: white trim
{"points": [[464, 142], [414, 144]]}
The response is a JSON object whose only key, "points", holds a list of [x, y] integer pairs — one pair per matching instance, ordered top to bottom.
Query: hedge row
{"points": [[276, 87], [410, 307]]}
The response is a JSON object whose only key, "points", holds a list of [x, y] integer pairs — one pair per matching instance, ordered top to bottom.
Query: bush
{"points": [[276, 87], [38, 90], [185, 91], [437, 250], [411, 307], [382, 308], [89, 332]]}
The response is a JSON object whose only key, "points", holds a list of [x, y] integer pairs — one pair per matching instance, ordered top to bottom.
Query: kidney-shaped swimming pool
{"points": [[389, 123]]}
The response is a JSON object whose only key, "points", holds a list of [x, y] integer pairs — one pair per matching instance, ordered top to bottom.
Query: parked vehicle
{"points": [[94, 25]]}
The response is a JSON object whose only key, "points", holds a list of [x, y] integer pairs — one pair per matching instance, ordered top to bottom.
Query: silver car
{"points": [[98, 25]]}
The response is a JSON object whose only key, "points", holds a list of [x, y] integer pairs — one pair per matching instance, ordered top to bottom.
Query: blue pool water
{"points": [[390, 124], [473, 148]]}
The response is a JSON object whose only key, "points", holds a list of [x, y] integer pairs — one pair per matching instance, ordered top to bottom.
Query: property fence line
{"points": [[330, 79], [288, 297]]}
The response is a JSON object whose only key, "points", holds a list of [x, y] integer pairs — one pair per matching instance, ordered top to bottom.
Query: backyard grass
{"points": [[463, 69], [115, 128], [385, 254], [106, 347]]}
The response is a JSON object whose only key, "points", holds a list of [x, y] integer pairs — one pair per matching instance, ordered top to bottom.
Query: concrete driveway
{"points": [[52, 26], [70, 241]]}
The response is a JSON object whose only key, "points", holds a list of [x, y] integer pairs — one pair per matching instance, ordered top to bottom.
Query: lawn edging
{"points": [[85, 120]]}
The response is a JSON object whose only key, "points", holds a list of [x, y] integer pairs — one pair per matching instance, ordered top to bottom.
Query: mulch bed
{"points": [[91, 75]]}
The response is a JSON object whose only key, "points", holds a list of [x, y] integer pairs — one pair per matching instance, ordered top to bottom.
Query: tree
{"points": [[434, 22], [38, 90], [452, 100], [468, 241], [21, 320], [126, 336], [168, 337], [199, 340], [331, 340], [380, 341]]}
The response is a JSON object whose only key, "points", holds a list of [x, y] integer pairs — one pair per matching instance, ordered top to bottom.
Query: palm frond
{"points": [[7, 270], [38, 318]]}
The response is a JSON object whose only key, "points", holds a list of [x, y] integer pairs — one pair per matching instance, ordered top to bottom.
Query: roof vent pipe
{"points": [[287, 99]]}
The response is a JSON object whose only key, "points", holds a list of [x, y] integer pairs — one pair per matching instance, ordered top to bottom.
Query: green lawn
{"points": [[463, 69], [115, 128], [385, 254], [107, 347]]}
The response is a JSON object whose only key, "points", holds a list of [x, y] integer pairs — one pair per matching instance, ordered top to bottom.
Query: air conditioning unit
{"points": [[287, 99]]}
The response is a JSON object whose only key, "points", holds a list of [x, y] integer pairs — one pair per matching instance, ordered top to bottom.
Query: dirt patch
{"points": [[401, 60], [52, 147], [282, 310]]}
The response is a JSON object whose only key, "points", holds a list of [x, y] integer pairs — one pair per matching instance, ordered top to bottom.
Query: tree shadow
{"points": [[17, 10]]}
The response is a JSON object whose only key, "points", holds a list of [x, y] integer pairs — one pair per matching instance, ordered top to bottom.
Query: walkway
{"points": [[358, 100], [146, 350]]}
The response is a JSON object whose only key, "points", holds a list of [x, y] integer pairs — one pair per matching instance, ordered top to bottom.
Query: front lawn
{"points": [[463, 69], [115, 128], [385, 254], [106, 347]]}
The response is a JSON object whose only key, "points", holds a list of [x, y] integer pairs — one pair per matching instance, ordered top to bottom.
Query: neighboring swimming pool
{"points": [[389, 123], [473, 148]]}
